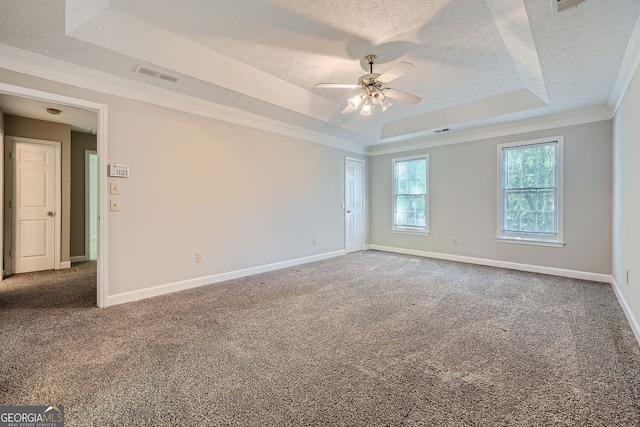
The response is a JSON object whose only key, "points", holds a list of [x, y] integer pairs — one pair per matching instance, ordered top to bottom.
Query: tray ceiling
{"points": [[477, 62]]}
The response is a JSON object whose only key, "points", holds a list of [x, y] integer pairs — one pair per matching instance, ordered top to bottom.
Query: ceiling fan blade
{"points": [[395, 72], [336, 86], [402, 96], [348, 109]]}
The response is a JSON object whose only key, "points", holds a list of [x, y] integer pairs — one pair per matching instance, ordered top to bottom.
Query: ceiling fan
{"points": [[374, 92]]}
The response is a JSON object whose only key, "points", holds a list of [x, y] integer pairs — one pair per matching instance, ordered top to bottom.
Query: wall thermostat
{"points": [[119, 170]]}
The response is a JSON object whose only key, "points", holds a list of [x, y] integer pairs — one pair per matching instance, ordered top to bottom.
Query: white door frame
{"points": [[101, 136], [13, 140], [364, 199], [2, 208], [87, 210]]}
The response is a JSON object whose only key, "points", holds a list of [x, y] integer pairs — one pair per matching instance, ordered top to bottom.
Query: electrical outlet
{"points": [[114, 187], [455, 241], [199, 257]]}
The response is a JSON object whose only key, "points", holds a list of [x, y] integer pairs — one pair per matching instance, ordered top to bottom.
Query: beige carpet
{"points": [[368, 339]]}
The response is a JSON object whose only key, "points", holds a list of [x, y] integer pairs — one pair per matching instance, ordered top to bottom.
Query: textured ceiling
{"points": [[477, 61], [81, 120]]}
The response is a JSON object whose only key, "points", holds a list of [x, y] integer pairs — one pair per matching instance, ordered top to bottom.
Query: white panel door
{"points": [[354, 205], [33, 206]]}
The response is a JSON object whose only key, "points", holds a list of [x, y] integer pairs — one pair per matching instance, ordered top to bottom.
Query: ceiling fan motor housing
{"points": [[369, 83]]}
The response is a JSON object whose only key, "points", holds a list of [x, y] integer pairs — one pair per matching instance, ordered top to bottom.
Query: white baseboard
{"points": [[367, 247], [79, 258], [65, 264], [596, 277], [208, 280], [633, 322]]}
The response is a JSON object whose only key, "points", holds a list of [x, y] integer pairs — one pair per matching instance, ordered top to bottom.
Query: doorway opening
{"points": [[96, 224]]}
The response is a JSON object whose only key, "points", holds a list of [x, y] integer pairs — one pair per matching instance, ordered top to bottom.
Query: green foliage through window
{"points": [[530, 189], [410, 194]]}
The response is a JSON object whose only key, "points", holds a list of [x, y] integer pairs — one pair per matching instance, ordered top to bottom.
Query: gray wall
{"points": [[80, 142], [241, 196], [463, 202], [626, 205]]}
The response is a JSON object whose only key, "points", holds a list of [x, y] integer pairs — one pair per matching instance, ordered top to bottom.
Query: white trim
{"points": [[30, 63], [628, 67], [596, 114], [101, 137], [103, 203], [2, 207], [6, 208], [411, 232], [521, 238], [530, 242], [367, 247], [79, 258], [65, 264], [583, 275], [215, 278], [633, 322]]}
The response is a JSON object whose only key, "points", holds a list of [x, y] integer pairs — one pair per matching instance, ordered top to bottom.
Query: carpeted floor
{"points": [[368, 339]]}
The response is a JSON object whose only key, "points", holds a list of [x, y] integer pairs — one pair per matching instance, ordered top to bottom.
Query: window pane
{"points": [[531, 167], [410, 189], [529, 189], [410, 211], [531, 211]]}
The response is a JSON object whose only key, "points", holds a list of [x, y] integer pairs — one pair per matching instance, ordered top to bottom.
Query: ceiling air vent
{"points": [[566, 4], [156, 74]]}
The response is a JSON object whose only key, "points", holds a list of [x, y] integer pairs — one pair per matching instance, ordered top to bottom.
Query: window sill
{"points": [[414, 232], [530, 242]]}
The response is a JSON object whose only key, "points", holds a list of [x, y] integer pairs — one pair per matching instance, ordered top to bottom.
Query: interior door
{"points": [[33, 205], [354, 205]]}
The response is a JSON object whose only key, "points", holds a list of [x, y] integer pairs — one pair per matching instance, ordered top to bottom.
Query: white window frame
{"points": [[402, 229], [535, 239]]}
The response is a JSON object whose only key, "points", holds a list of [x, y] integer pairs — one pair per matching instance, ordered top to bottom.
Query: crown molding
{"points": [[35, 65], [628, 69], [595, 114]]}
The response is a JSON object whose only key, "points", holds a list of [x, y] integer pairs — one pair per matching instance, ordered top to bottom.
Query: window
{"points": [[530, 192], [410, 197]]}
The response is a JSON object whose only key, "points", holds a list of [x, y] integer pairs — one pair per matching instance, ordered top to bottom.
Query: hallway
{"points": [[67, 288]]}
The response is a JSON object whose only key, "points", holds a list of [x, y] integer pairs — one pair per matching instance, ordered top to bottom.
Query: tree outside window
{"points": [[530, 191], [410, 194]]}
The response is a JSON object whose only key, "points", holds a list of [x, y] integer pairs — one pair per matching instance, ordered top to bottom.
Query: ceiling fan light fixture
{"points": [[374, 90], [377, 97], [356, 100], [366, 109]]}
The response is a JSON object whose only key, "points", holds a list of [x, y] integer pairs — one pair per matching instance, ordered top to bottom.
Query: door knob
{"points": [[348, 211], [50, 213]]}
